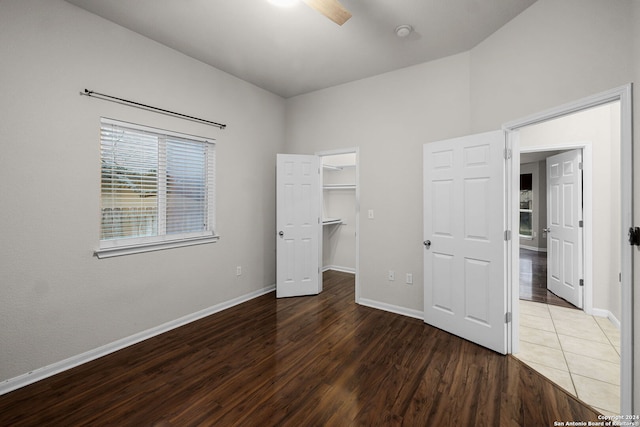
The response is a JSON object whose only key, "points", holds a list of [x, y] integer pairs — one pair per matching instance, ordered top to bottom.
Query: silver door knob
{"points": [[546, 230], [281, 233], [427, 244]]}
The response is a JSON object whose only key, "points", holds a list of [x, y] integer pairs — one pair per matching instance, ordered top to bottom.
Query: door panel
{"points": [[464, 220], [298, 225], [564, 234]]}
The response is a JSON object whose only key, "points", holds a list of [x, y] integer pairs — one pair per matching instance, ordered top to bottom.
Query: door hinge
{"points": [[507, 153], [580, 165], [581, 223], [507, 235], [581, 282], [507, 317]]}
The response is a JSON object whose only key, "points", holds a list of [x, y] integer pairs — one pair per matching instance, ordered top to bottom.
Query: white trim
{"points": [[624, 95], [355, 150], [153, 246], [350, 270], [600, 312], [416, 314], [31, 377]]}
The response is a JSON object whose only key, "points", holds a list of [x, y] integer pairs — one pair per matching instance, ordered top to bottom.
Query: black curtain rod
{"points": [[91, 93]]}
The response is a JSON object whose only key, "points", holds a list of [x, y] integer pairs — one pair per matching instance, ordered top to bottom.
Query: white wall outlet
{"points": [[238, 271], [392, 275], [409, 280]]}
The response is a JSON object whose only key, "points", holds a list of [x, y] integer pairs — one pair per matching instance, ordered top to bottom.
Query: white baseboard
{"points": [[338, 268], [392, 308], [606, 313], [31, 377]]}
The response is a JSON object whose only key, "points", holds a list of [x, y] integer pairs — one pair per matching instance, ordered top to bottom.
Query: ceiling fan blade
{"points": [[332, 9]]}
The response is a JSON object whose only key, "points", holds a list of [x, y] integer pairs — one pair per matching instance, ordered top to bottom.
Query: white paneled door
{"points": [[298, 197], [564, 233], [464, 238]]}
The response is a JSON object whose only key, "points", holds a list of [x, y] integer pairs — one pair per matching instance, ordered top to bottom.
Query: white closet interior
{"points": [[339, 212]]}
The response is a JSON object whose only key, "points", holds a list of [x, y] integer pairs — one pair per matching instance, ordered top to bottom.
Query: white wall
{"points": [[556, 51], [389, 117], [601, 128], [56, 299]]}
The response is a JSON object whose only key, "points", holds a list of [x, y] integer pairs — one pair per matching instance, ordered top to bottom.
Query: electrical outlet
{"points": [[238, 271], [392, 275], [409, 280]]}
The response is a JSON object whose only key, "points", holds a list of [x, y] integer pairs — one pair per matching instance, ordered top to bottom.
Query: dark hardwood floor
{"points": [[533, 279], [309, 361]]}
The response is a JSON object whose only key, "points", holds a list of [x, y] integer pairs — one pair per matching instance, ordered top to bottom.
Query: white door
{"points": [[298, 225], [464, 234], [564, 234]]}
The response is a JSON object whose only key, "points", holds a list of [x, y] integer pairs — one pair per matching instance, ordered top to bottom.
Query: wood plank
{"points": [[320, 360]]}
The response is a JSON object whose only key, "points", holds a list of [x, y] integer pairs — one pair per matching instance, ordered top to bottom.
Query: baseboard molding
{"points": [[533, 248], [338, 268], [391, 308], [606, 313], [31, 377]]}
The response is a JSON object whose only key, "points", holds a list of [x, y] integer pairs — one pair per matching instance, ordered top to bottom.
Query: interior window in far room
{"points": [[526, 205]]}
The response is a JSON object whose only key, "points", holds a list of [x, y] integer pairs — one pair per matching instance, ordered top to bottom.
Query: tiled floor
{"points": [[580, 353]]}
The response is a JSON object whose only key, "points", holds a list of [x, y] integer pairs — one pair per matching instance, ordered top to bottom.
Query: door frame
{"points": [[623, 94], [350, 150], [587, 212]]}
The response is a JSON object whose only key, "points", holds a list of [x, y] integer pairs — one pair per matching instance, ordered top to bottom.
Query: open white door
{"points": [[298, 225], [564, 234], [464, 235]]}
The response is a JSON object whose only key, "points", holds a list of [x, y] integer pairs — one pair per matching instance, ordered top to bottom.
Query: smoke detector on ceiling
{"points": [[403, 30]]}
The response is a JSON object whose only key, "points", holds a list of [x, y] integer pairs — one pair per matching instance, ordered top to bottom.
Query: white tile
{"points": [[534, 309], [557, 311], [537, 322], [606, 325], [585, 329], [540, 337], [593, 349], [542, 355], [593, 368], [597, 393]]}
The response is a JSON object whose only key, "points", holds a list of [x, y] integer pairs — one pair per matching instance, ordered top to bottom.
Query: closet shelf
{"points": [[339, 186], [331, 221]]}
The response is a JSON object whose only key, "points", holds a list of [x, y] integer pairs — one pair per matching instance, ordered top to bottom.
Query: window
{"points": [[157, 189], [526, 205]]}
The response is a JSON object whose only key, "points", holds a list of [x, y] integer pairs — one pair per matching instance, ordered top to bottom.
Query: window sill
{"points": [[150, 247]]}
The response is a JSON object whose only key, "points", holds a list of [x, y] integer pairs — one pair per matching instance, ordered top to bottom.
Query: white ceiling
{"points": [[291, 51]]}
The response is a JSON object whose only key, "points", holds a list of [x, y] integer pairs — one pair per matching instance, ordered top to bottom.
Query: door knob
{"points": [[547, 230], [281, 233], [427, 244]]}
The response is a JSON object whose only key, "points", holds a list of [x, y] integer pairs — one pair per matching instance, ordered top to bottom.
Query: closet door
{"points": [[298, 198], [464, 243]]}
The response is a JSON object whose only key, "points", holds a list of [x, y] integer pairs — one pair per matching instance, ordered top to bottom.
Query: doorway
{"points": [[340, 213], [553, 273], [607, 280]]}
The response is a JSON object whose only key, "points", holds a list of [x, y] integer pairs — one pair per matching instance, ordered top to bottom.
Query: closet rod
{"points": [[98, 95]]}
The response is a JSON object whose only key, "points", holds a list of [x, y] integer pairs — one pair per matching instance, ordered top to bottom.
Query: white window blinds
{"points": [[156, 187]]}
